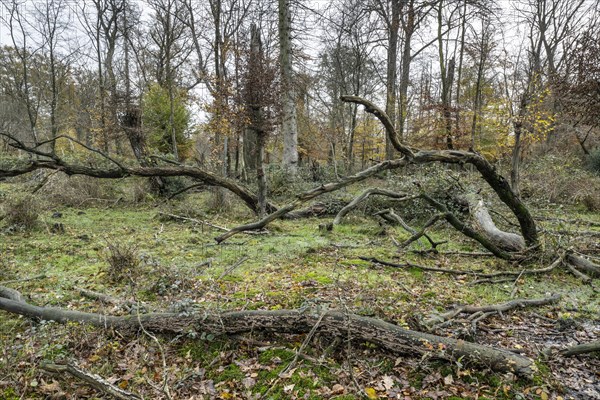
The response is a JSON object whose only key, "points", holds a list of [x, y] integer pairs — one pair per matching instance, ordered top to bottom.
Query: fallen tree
{"points": [[119, 170], [332, 323]]}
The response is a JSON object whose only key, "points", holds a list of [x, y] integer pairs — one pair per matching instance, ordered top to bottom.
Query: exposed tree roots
{"points": [[331, 323]]}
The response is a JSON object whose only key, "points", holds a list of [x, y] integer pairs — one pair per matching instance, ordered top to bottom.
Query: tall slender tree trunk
{"points": [[409, 29], [392, 65], [289, 125]]}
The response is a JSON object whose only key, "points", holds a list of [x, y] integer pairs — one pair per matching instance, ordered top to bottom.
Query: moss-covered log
{"points": [[332, 323]]}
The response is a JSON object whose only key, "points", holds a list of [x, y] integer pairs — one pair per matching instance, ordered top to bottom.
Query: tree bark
{"points": [[392, 66], [289, 125], [505, 240], [330, 323]]}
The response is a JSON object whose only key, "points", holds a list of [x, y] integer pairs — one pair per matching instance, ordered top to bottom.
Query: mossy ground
{"points": [[294, 263]]}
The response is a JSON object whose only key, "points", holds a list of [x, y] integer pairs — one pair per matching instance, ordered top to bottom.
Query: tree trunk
{"points": [[392, 65], [289, 125], [331, 323]]}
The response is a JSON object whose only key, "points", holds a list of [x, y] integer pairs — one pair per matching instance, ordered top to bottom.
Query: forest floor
{"points": [[177, 266]]}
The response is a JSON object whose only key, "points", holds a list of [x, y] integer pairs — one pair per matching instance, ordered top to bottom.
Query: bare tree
{"points": [[51, 26]]}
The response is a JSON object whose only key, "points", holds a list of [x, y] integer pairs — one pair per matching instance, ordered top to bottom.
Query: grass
{"points": [[293, 264]]}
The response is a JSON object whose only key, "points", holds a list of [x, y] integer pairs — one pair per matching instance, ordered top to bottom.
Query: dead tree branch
{"points": [[53, 162], [488, 172], [311, 194], [362, 197], [390, 216], [493, 309], [333, 323], [581, 349], [90, 379]]}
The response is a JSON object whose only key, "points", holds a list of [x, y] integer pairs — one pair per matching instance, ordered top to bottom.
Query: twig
{"points": [[234, 266], [31, 278], [514, 290], [292, 364], [92, 380], [165, 387]]}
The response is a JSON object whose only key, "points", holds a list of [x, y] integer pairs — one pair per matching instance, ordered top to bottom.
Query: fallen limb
{"points": [[53, 162], [487, 171], [185, 189], [311, 194], [362, 197], [390, 216], [194, 220], [568, 221], [418, 234], [455, 253], [584, 265], [417, 266], [475, 273], [578, 273], [30, 278], [11, 294], [104, 298], [492, 309], [332, 323], [581, 349], [90, 379]]}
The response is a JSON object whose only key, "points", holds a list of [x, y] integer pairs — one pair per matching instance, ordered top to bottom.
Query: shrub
{"points": [[21, 213], [123, 262]]}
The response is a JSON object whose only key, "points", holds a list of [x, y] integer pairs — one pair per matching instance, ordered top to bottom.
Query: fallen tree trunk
{"points": [[487, 171], [505, 240], [331, 323]]}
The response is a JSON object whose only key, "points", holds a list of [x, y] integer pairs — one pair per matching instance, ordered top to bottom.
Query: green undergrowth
{"points": [[293, 265]]}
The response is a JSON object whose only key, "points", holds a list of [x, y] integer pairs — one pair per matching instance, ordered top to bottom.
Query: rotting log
{"points": [[331, 323]]}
